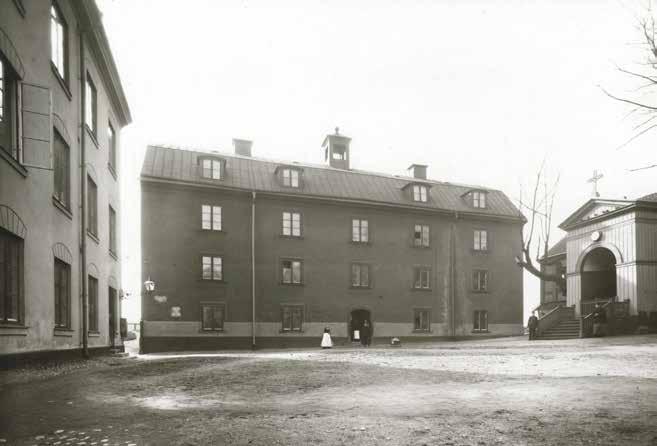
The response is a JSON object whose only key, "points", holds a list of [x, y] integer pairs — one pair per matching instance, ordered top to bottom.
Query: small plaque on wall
{"points": [[160, 299], [176, 312]]}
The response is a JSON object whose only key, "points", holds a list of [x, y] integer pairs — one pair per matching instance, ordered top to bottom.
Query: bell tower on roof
{"points": [[336, 150]]}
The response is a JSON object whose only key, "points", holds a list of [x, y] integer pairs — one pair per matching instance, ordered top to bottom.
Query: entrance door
{"points": [[598, 275], [112, 314], [357, 319]]}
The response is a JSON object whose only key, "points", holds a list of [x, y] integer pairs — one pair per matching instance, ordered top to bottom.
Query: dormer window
{"points": [[211, 168], [290, 177], [420, 193], [479, 199]]}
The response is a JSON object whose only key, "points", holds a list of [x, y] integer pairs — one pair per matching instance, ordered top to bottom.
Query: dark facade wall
{"points": [[173, 243]]}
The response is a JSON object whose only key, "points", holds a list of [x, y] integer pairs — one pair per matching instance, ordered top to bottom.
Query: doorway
{"points": [[599, 275], [112, 315], [357, 317]]}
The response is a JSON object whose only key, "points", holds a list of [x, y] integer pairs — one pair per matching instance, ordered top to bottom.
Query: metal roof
{"points": [[255, 174]]}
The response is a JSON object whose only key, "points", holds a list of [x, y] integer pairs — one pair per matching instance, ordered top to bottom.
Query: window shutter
{"points": [[36, 125]]}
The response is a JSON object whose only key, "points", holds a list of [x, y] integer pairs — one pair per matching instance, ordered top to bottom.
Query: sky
{"points": [[481, 91]]}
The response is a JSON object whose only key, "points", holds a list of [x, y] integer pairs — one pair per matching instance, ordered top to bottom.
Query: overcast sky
{"points": [[479, 91]]}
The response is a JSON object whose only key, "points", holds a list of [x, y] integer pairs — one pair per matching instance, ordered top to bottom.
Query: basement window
{"points": [[212, 317], [480, 321]]}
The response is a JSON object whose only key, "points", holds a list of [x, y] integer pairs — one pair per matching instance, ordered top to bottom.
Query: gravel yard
{"points": [[500, 391]]}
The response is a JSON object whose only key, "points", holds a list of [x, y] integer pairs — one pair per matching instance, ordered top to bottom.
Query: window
{"points": [[58, 41], [91, 104], [8, 110], [111, 142], [339, 152], [211, 168], [62, 173], [290, 177], [419, 193], [479, 199], [92, 207], [211, 217], [292, 224], [112, 230], [360, 231], [421, 236], [480, 240], [212, 268], [291, 271], [360, 275], [11, 277], [421, 278], [480, 280], [62, 294], [93, 304], [213, 316], [292, 317], [421, 320], [480, 322]]}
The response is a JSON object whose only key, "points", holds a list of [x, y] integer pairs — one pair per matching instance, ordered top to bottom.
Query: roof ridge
{"points": [[321, 166]]}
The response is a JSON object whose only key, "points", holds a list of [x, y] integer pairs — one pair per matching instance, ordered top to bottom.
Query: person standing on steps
{"points": [[532, 324], [366, 333], [326, 338]]}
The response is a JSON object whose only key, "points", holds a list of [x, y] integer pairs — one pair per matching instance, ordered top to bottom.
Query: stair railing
{"points": [[587, 310], [553, 318]]}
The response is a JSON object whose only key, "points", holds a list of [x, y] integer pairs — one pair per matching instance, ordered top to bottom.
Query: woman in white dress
{"points": [[326, 339]]}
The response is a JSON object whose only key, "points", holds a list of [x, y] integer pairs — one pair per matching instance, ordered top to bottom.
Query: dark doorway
{"points": [[599, 275], [112, 315], [356, 322]]}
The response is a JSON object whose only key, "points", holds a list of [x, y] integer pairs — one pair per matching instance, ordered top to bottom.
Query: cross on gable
{"points": [[594, 179]]}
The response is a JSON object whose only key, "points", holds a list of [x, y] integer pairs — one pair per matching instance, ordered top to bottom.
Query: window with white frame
{"points": [[58, 41], [91, 106], [111, 142], [211, 169], [62, 170], [290, 177], [420, 193], [479, 199], [211, 217], [292, 224], [360, 231], [421, 236], [480, 240], [212, 268], [291, 272], [360, 275], [421, 278], [480, 280], [62, 294], [213, 316], [291, 317], [421, 320], [480, 320]]}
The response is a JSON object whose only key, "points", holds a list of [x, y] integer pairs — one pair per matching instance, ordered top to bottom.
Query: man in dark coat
{"points": [[599, 321], [532, 324], [366, 333]]}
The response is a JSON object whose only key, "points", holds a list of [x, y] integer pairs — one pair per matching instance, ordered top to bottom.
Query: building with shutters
{"points": [[61, 111], [249, 252]]}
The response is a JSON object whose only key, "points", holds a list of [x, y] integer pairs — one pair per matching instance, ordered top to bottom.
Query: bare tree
{"points": [[646, 74], [539, 225]]}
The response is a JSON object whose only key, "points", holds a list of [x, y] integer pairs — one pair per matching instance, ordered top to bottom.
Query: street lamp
{"points": [[149, 285]]}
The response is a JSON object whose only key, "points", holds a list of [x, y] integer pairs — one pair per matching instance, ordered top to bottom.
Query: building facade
{"points": [[61, 111], [249, 252], [611, 253], [552, 293]]}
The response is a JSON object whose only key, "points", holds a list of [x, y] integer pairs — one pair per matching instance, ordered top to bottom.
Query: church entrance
{"points": [[599, 275], [358, 317]]}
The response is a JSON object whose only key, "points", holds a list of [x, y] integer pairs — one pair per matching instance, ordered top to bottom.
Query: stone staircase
{"points": [[566, 329]]}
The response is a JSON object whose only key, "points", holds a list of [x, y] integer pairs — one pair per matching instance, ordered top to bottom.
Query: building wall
{"points": [[28, 191], [172, 243]]}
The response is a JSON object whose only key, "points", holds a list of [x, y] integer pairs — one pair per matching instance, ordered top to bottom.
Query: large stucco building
{"points": [[61, 111], [246, 251]]}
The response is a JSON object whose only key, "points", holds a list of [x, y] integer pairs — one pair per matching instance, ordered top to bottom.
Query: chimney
{"points": [[242, 146], [336, 150], [419, 171]]}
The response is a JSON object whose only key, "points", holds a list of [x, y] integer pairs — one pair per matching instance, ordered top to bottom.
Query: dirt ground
{"points": [[489, 392]]}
